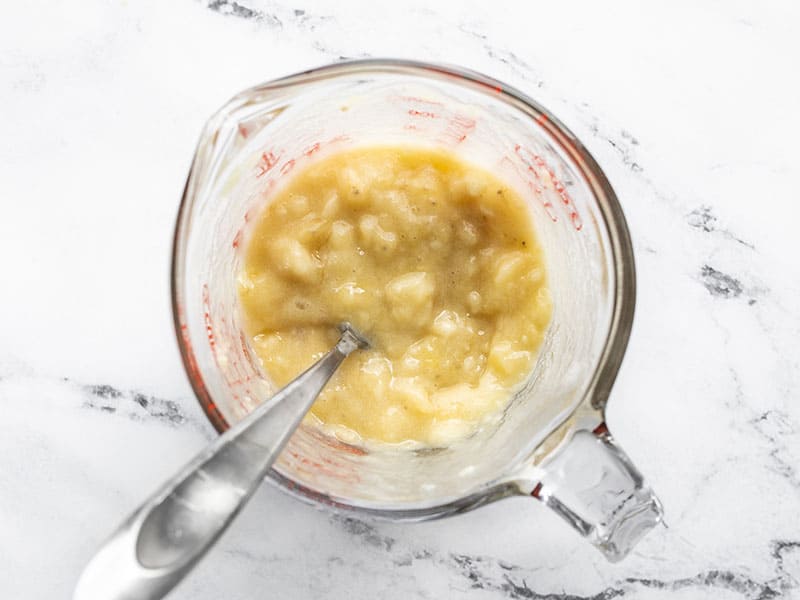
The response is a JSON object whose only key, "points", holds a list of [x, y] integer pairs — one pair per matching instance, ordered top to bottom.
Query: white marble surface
{"points": [[690, 107]]}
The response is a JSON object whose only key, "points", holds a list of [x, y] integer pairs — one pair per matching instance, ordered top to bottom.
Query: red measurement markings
{"points": [[419, 100], [425, 114], [411, 127], [458, 128], [342, 137], [312, 149], [271, 158], [266, 162], [268, 165], [536, 165], [288, 166], [535, 187], [237, 239], [210, 330], [211, 336], [212, 342], [246, 352], [194, 370], [234, 373], [194, 374], [240, 376], [306, 461], [324, 467]]}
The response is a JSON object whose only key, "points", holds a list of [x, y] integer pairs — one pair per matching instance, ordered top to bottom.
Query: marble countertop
{"points": [[690, 108]]}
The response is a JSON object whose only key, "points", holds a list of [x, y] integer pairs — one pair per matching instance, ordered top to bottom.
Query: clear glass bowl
{"points": [[551, 441]]}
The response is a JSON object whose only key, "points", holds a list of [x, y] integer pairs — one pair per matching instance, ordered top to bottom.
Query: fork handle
{"points": [[161, 542]]}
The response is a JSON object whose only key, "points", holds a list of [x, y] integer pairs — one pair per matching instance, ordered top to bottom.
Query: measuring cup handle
{"points": [[593, 485]]}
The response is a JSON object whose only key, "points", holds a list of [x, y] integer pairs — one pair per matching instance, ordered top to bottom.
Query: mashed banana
{"points": [[432, 259]]}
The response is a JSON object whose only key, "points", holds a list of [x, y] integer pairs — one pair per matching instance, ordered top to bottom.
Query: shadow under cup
{"points": [[264, 134]]}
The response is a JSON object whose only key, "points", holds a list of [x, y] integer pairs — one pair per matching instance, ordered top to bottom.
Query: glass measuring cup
{"points": [[551, 442]]}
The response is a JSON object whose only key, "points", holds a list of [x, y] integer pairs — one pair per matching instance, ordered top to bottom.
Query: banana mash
{"points": [[432, 259]]}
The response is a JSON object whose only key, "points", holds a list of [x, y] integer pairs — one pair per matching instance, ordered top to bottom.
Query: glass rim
{"points": [[622, 260]]}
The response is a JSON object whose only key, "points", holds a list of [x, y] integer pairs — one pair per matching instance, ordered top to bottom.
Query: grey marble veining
{"points": [[691, 110]]}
